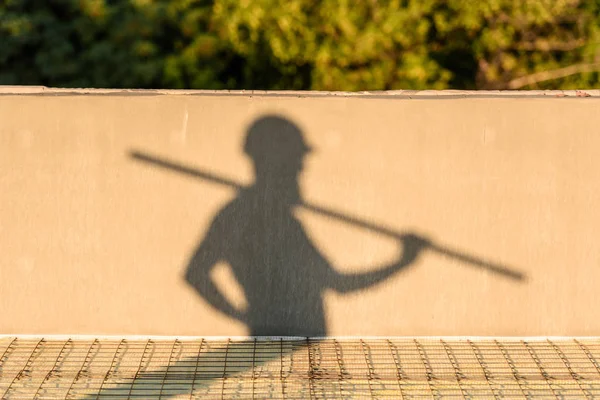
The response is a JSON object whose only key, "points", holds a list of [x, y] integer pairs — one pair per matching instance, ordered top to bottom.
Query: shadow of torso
{"points": [[281, 271]]}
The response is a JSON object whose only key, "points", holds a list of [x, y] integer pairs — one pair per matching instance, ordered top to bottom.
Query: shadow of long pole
{"points": [[477, 262]]}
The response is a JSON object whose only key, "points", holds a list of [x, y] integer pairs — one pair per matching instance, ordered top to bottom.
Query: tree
{"points": [[121, 44], [301, 44], [417, 44]]}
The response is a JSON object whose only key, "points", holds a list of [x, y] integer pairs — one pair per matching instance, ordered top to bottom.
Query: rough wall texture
{"points": [[198, 214]]}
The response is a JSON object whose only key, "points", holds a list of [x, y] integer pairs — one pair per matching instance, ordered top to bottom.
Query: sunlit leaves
{"points": [[297, 44]]}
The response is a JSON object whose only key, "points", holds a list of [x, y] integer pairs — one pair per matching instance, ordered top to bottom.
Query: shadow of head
{"points": [[277, 149]]}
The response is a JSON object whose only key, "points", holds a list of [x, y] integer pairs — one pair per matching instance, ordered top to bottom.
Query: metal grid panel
{"points": [[299, 368]]}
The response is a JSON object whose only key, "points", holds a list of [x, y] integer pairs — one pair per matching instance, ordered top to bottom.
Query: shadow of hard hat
{"points": [[275, 136]]}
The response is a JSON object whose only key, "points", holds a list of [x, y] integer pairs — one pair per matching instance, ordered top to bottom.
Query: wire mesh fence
{"points": [[298, 368]]}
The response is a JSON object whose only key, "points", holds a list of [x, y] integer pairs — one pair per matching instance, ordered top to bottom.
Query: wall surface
{"points": [[414, 214]]}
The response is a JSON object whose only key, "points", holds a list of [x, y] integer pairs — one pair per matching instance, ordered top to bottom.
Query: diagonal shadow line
{"points": [[197, 376]]}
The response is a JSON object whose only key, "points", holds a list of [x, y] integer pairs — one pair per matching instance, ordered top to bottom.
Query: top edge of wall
{"points": [[404, 94]]}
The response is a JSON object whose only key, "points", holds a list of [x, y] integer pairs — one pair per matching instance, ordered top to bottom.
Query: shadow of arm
{"points": [[412, 247], [198, 275]]}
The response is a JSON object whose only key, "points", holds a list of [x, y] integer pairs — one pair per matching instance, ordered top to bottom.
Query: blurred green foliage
{"points": [[301, 44]]}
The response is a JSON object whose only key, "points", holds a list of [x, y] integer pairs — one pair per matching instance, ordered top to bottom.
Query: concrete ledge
{"points": [[406, 94]]}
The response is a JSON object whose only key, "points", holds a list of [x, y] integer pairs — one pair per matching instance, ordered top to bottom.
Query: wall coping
{"points": [[401, 94]]}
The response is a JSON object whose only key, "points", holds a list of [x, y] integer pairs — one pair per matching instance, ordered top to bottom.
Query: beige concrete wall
{"points": [[95, 241]]}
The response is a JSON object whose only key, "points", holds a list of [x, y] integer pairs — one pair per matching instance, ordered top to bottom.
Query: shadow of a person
{"points": [[282, 273]]}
